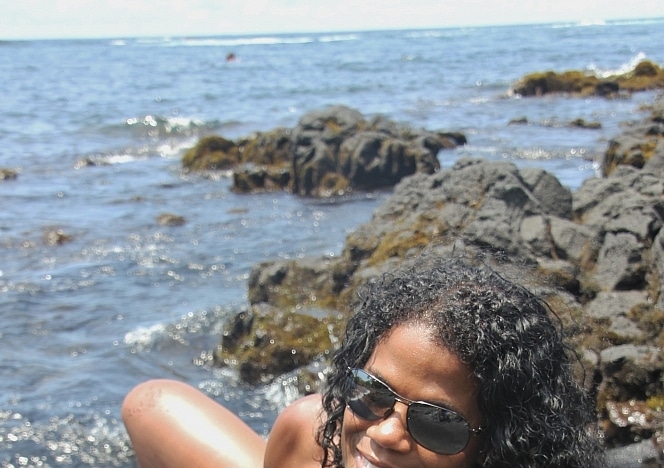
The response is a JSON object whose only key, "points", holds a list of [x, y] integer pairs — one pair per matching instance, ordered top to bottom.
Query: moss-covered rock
{"points": [[646, 75], [538, 84], [640, 145], [271, 148], [210, 153], [329, 153], [251, 179], [291, 285], [265, 342], [633, 420]]}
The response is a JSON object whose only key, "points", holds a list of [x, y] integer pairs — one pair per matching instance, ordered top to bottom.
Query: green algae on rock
{"points": [[646, 75], [641, 145], [210, 153], [265, 342]]}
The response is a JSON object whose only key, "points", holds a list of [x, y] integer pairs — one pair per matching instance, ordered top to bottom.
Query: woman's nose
{"points": [[391, 432]]}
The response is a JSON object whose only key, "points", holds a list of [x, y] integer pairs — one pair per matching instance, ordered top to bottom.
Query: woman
{"points": [[442, 365]]}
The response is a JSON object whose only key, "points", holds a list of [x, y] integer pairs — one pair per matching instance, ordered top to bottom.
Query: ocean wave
{"points": [[637, 21], [591, 22], [584, 23], [437, 33], [338, 37], [238, 41], [621, 70], [185, 126], [152, 135], [130, 155], [105, 160], [191, 324], [143, 338]]}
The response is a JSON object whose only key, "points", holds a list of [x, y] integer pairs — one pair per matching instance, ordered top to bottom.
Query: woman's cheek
{"points": [[352, 431]]}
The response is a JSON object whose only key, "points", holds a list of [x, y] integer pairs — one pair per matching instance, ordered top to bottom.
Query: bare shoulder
{"points": [[292, 441]]}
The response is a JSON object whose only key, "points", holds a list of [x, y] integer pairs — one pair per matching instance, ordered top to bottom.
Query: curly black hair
{"points": [[535, 413]]}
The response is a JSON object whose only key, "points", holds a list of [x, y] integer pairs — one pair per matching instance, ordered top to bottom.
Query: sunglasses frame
{"points": [[352, 375]]}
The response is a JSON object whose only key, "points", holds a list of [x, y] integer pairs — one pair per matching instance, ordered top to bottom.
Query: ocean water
{"points": [[95, 130]]}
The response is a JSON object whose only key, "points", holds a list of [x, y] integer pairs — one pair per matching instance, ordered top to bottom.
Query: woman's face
{"points": [[417, 368]]}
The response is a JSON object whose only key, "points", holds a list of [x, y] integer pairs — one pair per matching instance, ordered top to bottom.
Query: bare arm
{"points": [[172, 424], [292, 441]]}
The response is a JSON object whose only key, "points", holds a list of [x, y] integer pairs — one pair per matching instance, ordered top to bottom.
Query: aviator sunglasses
{"points": [[435, 428]]}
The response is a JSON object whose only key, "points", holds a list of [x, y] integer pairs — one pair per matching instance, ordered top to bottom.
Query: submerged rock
{"points": [[8, 174], [169, 219], [57, 237]]}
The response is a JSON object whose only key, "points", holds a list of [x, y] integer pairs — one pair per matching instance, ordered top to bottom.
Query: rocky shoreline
{"points": [[596, 255]]}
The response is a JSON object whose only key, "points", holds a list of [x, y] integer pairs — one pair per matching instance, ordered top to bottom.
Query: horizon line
{"points": [[567, 23]]}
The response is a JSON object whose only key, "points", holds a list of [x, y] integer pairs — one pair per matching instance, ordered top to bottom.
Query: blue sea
{"points": [[95, 130]]}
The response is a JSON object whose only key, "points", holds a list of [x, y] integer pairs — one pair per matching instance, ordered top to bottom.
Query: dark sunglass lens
{"points": [[366, 397], [438, 429]]}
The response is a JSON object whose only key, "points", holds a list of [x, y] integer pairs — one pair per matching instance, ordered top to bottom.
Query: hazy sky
{"points": [[30, 19]]}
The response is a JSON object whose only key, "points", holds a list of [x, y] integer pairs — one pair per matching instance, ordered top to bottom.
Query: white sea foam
{"points": [[592, 22], [582, 23], [338, 37], [239, 41], [621, 70], [169, 125], [105, 160], [143, 337]]}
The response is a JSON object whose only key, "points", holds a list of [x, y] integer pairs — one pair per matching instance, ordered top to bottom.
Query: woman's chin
{"points": [[361, 462]]}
